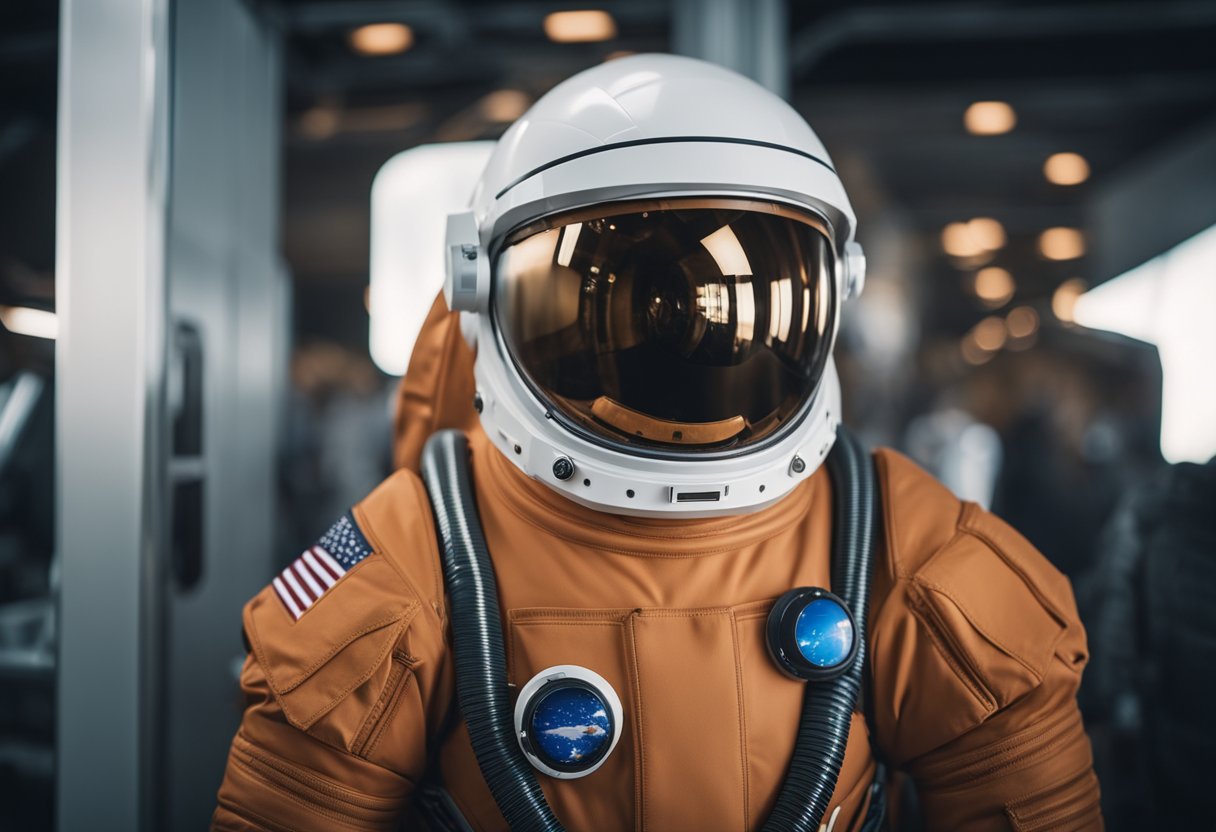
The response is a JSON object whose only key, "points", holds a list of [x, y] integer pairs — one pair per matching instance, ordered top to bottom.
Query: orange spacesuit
{"points": [[654, 404], [976, 655]]}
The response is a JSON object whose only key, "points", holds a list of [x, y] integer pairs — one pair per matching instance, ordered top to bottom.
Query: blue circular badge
{"points": [[824, 633], [811, 634], [567, 720]]}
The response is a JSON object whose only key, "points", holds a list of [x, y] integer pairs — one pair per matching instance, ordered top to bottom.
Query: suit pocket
{"points": [[540, 638]]}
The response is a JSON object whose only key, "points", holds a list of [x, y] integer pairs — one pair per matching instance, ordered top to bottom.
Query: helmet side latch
{"points": [[461, 285]]}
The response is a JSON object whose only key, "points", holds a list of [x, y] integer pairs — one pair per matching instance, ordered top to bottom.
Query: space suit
{"points": [[650, 277]]}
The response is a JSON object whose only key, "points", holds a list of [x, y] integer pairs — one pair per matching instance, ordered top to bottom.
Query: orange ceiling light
{"points": [[588, 26], [378, 39], [989, 118], [1066, 169], [1062, 243], [994, 286], [1064, 299], [1022, 322]]}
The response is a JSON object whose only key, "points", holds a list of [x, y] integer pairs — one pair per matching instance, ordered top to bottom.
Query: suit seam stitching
{"points": [[445, 359], [427, 511], [369, 530], [982, 537], [967, 611], [931, 628], [734, 635], [403, 686], [287, 687], [338, 697], [1001, 748], [640, 750], [311, 782], [1017, 805], [244, 812], [328, 813]]}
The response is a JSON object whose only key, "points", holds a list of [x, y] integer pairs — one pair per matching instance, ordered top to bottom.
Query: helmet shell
{"points": [[635, 128]]}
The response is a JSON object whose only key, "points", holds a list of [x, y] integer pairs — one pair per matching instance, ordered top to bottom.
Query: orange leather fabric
{"points": [[437, 389], [976, 653]]}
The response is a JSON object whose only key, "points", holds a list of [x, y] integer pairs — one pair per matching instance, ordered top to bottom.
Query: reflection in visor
{"points": [[680, 324]]}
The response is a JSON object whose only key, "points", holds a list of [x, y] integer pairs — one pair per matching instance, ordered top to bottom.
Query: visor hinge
{"points": [[854, 270], [460, 285]]}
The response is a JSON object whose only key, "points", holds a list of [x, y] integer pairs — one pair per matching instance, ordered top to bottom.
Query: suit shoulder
{"points": [[920, 515], [397, 519], [365, 590], [968, 608]]}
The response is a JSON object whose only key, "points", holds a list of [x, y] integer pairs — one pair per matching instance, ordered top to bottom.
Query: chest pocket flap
{"points": [[337, 645]]}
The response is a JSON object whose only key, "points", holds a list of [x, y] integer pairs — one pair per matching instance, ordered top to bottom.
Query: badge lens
{"points": [[824, 633], [570, 727]]}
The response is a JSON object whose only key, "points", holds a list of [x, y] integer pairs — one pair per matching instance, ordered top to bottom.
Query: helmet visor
{"points": [[683, 326]]}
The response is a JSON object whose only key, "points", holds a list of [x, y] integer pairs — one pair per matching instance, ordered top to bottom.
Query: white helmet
{"points": [[654, 264]]}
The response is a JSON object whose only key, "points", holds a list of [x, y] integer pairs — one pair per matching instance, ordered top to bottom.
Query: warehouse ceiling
{"points": [[885, 84]]}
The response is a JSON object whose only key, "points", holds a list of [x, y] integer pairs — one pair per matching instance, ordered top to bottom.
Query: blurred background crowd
{"points": [[1036, 191]]}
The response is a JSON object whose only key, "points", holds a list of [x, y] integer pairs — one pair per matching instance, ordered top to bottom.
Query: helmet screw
{"points": [[478, 404], [797, 466], [563, 468]]}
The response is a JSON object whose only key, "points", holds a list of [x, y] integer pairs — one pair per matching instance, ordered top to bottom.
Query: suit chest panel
{"points": [[709, 721]]}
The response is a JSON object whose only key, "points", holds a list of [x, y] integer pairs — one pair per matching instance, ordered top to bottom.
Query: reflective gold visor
{"points": [[683, 325]]}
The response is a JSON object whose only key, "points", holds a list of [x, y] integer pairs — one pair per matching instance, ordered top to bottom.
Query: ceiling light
{"points": [[579, 27], [382, 39], [504, 106], [989, 118], [320, 122], [1066, 169], [987, 232], [967, 240], [958, 241], [1062, 244], [994, 286], [1064, 299], [1022, 322], [37, 323], [989, 334], [973, 353]]}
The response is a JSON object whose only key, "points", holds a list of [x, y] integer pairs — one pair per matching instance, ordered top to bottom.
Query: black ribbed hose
{"points": [[477, 639], [827, 707]]}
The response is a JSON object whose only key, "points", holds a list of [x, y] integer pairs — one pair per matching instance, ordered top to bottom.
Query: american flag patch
{"points": [[309, 576]]}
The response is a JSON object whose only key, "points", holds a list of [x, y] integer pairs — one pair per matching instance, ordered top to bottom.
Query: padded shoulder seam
{"points": [[421, 503], [895, 568]]}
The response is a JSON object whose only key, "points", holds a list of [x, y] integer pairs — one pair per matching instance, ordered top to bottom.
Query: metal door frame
{"points": [[112, 192]]}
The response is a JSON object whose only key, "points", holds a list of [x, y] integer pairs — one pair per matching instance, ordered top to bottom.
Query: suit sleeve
{"points": [[977, 658], [344, 684], [281, 777]]}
